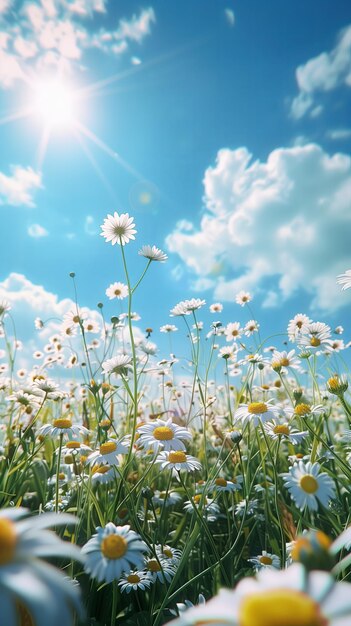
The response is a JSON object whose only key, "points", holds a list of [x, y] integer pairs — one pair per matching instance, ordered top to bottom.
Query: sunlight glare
{"points": [[54, 103]]}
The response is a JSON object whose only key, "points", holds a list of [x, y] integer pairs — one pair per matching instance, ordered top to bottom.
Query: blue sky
{"points": [[232, 119]]}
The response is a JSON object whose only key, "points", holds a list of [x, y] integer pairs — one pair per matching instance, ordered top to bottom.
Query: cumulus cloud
{"points": [[230, 17], [48, 34], [323, 73], [17, 189], [284, 222], [90, 226], [37, 231]]}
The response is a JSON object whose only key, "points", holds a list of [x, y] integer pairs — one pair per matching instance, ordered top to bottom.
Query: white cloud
{"points": [[5, 5], [50, 33], [323, 73], [339, 134], [18, 188], [286, 220], [90, 225], [37, 231]]}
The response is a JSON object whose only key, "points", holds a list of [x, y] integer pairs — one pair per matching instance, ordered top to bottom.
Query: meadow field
{"points": [[141, 489]]}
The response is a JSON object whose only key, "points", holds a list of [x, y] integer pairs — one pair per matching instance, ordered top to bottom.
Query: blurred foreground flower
{"points": [[32, 591], [286, 598]]}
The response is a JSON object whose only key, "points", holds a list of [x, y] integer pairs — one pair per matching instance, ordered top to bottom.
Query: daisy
{"points": [[118, 228], [153, 254], [344, 280], [117, 290], [243, 297], [187, 306], [5, 307], [216, 307], [298, 325], [90, 326], [251, 327], [168, 328], [233, 331], [315, 334], [284, 360], [119, 365], [47, 388], [256, 412], [62, 426], [282, 430], [160, 433], [109, 451], [179, 461], [103, 474], [221, 484], [307, 485], [165, 499], [209, 509], [112, 551], [168, 554], [265, 561], [159, 569], [134, 581], [33, 591], [292, 597]]}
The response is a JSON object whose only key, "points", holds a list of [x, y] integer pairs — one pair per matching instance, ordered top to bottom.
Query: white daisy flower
{"points": [[118, 228], [153, 254], [344, 280], [117, 290], [243, 297], [5, 307], [186, 307], [298, 325], [91, 326], [251, 327], [168, 328], [233, 331], [315, 334], [285, 360], [119, 365], [256, 412], [62, 426], [282, 430], [162, 433], [109, 451], [179, 461], [103, 474], [221, 484], [307, 486], [165, 499], [209, 509], [112, 551], [168, 554], [266, 560], [159, 569], [26, 581], [134, 581], [292, 597]]}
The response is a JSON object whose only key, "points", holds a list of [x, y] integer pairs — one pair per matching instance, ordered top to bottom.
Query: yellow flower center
{"points": [[117, 292], [76, 319], [235, 332], [315, 342], [285, 362], [334, 383], [257, 407], [302, 409], [62, 422], [281, 429], [163, 433], [73, 445], [108, 447], [177, 457], [101, 469], [62, 476], [221, 482], [308, 484], [197, 498], [323, 539], [8, 540], [301, 545], [114, 546], [167, 553], [265, 560], [153, 566], [133, 578], [283, 607]]}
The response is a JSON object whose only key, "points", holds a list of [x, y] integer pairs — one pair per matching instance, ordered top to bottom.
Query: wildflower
{"points": [[118, 228], [153, 254], [344, 280], [117, 290], [243, 297], [187, 306], [5, 307], [216, 307], [38, 323], [298, 325], [90, 326], [251, 327], [168, 328], [233, 331], [316, 334], [149, 348], [284, 360], [119, 365], [337, 385], [302, 409], [256, 412], [62, 426], [282, 430], [160, 433], [108, 452], [179, 461], [103, 474], [221, 484], [307, 485], [166, 499], [209, 509], [314, 549], [112, 551], [168, 554], [265, 561], [159, 569], [134, 581], [28, 585], [290, 597], [187, 604]]}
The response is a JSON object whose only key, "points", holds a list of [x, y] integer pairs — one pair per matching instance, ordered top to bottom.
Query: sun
{"points": [[54, 103]]}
